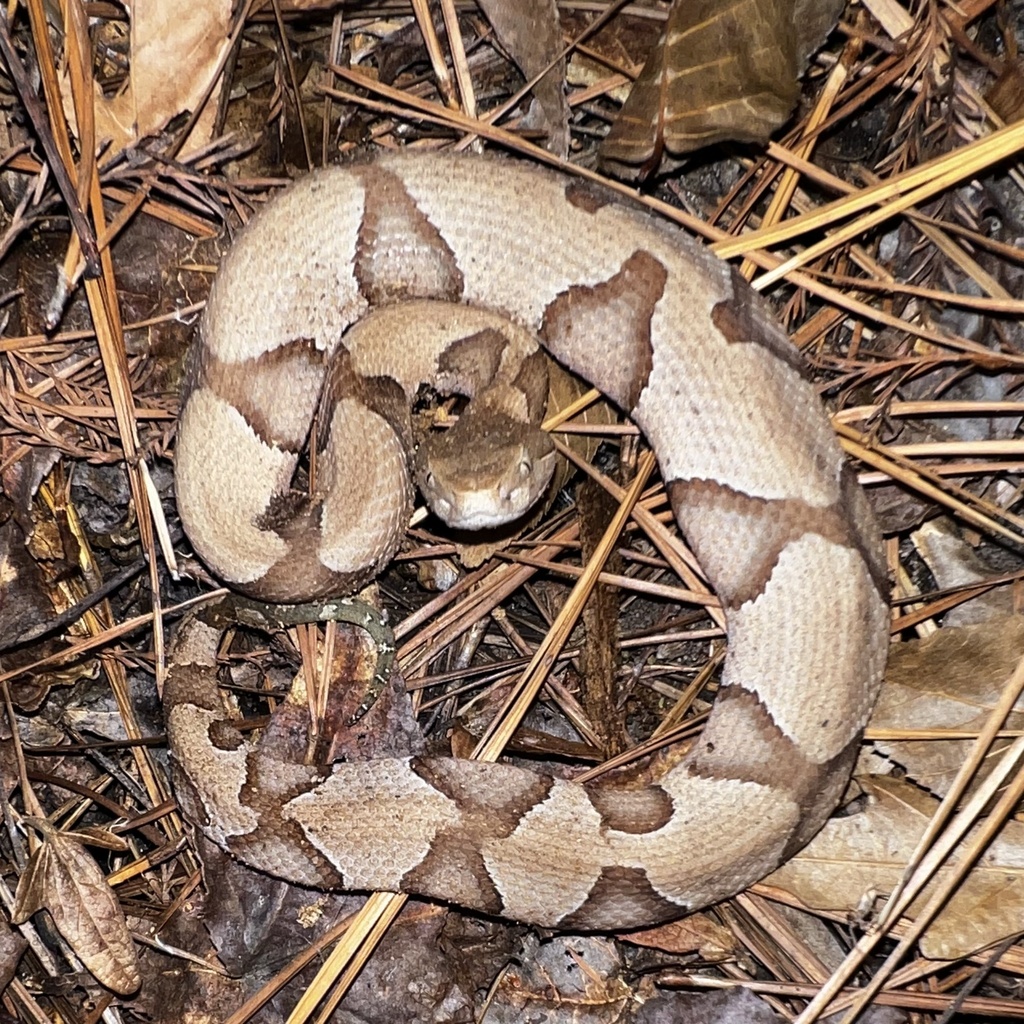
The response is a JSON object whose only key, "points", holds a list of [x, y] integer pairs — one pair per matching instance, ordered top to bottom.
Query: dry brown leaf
{"points": [[530, 32], [175, 51], [718, 71], [1006, 94], [953, 563], [949, 680], [866, 853], [64, 879], [698, 933], [12, 948]]}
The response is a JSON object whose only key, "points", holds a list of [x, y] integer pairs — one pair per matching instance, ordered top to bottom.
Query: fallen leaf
{"points": [[529, 30], [174, 53], [718, 71], [949, 680], [868, 852], [64, 879], [698, 933], [12, 948]]}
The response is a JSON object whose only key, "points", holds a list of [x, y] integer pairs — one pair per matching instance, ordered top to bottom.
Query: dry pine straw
{"points": [[845, 219]]}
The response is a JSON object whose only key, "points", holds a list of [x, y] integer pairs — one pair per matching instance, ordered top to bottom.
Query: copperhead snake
{"points": [[755, 477]]}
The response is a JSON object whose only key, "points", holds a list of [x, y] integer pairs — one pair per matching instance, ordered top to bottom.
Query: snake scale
{"points": [[755, 477]]}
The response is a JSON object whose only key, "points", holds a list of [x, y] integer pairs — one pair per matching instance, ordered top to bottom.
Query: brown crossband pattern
{"points": [[755, 477]]}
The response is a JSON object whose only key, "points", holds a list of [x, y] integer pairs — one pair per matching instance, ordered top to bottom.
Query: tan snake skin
{"points": [[756, 480]]}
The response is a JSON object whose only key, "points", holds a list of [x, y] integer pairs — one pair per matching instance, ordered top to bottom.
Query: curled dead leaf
{"points": [[718, 71], [64, 879]]}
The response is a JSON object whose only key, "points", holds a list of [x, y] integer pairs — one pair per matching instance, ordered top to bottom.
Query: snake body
{"points": [[756, 480]]}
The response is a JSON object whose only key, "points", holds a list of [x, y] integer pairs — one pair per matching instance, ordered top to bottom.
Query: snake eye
{"points": [[525, 467], [429, 480]]}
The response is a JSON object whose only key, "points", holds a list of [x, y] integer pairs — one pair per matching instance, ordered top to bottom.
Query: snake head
{"points": [[477, 478]]}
